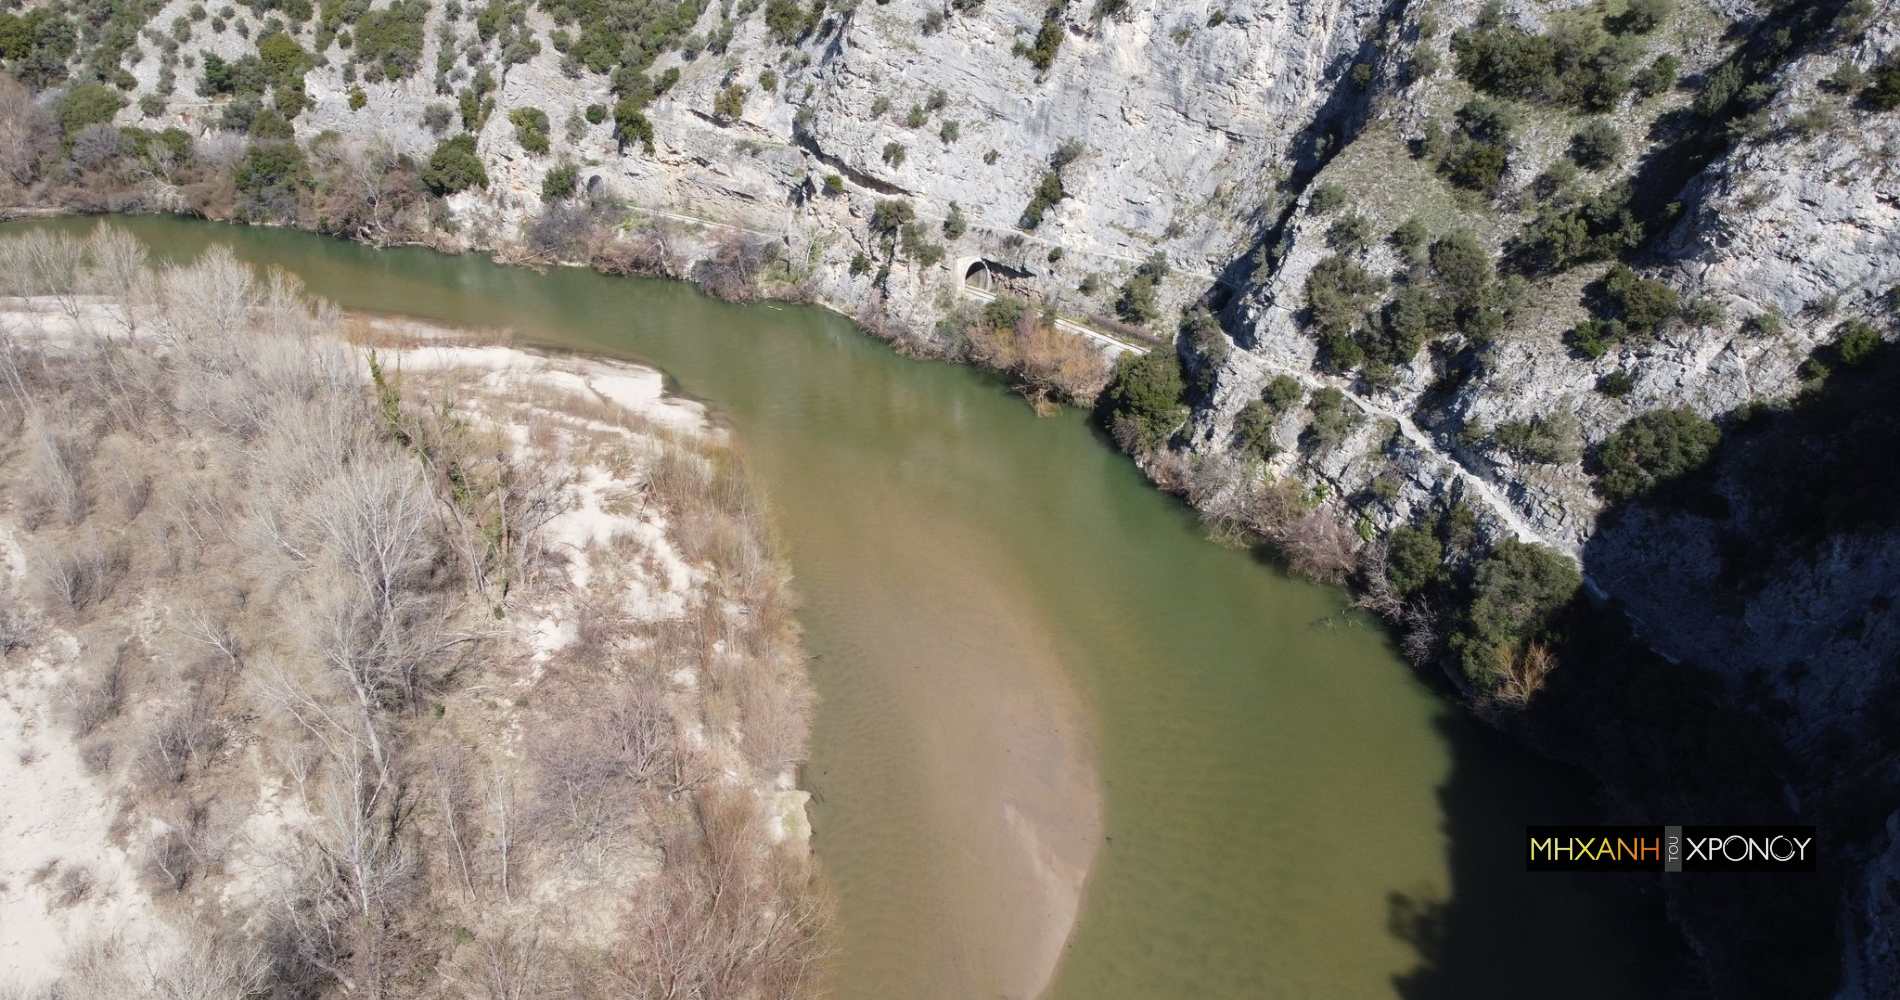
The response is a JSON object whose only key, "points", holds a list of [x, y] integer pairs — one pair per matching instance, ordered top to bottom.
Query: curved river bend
{"points": [[1035, 667]]}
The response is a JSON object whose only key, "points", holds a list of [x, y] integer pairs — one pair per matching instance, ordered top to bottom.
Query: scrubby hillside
{"points": [[395, 668]]}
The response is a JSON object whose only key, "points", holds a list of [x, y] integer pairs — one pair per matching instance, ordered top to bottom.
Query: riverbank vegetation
{"points": [[437, 679]]}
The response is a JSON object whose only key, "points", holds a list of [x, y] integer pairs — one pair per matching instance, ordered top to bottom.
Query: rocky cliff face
{"points": [[1203, 133]]}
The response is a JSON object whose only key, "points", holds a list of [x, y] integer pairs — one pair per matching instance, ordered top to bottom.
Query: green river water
{"points": [[1025, 652]]}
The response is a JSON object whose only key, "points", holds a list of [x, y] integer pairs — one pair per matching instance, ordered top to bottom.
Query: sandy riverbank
{"points": [[644, 539]]}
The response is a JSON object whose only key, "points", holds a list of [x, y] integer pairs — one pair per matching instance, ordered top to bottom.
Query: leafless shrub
{"points": [[96, 145], [373, 192], [569, 230], [653, 250], [731, 269], [1046, 363], [57, 469], [1320, 547], [80, 575], [19, 626], [1526, 675], [95, 695], [775, 712], [182, 737], [596, 754], [95, 755], [75, 883], [721, 922], [511, 966], [96, 968], [210, 968]]}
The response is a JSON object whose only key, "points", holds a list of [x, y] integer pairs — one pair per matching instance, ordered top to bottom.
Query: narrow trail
{"points": [[1483, 489]]}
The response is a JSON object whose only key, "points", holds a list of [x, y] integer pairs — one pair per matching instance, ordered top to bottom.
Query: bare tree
{"points": [[27, 133], [59, 457], [502, 827]]}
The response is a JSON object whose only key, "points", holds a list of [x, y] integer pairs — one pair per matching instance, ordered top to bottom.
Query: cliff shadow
{"points": [[1502, 933]]}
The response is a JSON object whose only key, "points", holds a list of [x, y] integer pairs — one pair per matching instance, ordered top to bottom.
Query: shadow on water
{"points": [[1504, 932]]}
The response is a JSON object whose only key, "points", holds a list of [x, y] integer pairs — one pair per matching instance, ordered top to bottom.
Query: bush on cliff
{"points": [[454, 166], [1145, 401], [1654, 449], [1517, 595]]}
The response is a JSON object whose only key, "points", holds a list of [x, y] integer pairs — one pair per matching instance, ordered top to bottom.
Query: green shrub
{"points": [[1641, 17], [786, 20], [390, 39], [37, 45], [1042, 53], [1574, 65], [1659, 77], [768, 79], [1720, 89], [1883, 94], [358, 99], [730, 102], [86, 104], [596, 113], [269, 123], [631, 126], [531, 128], [949, 132], [1596, 145], [894, 153], [1477, 156], [454, 166], [270, 167], [559, 182], [834, 184], [1049, 192], [1327, 198], [890, 215], [954, 224], [1350, 233], [1560, 238], [1410, 239], [918, 247], [1339, 293], [1137, 302], [1643, 304], [1705, 312], [1416, 316], [1593, 338], [1856, 342], [1617, 384], [1283, 393], [1146, 400], [1332, 419], [1253, 430], [1552, 439], [1653, 449], [1414, 560], [1518, 594]]}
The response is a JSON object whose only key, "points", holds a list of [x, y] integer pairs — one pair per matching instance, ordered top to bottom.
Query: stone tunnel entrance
{"points": [[989, 276]]}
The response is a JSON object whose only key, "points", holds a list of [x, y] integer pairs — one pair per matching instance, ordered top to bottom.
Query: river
{"points": [[1048, 698]]}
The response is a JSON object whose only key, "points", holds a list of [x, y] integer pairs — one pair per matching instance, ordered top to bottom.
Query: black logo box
{"points": [[1670, 848]]}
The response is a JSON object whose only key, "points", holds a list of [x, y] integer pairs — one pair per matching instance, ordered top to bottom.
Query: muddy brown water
{"points": [[1067, 745]]}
